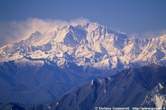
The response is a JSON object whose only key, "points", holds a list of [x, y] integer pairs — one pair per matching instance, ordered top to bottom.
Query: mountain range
{"points": [[86, 44], [46, 65]]}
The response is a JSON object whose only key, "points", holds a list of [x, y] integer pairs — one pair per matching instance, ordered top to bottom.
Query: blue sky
{"points": [[131, 16]]}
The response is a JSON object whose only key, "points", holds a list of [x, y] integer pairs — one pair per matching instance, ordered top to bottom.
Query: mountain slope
{"points": [[20, 81], [139, 87]]}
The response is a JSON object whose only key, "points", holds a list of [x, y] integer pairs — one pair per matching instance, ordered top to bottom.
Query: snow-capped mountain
{"points": [[87, 44], [57, 57]]}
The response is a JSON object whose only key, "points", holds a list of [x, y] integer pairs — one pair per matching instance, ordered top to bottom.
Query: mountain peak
{"points": [[88, 43]]}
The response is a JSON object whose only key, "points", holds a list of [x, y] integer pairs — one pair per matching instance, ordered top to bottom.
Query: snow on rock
{"points": [[88, 43]]}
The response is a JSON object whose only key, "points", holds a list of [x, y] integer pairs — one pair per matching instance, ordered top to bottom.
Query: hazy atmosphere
{"points": [[133, 17], [82, 54]]}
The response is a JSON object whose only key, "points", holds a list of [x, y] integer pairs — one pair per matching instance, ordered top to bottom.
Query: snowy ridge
{"points": [[87, 44]]}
